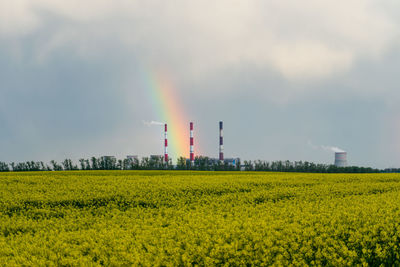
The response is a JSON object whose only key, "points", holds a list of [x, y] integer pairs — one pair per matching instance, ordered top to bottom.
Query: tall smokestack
{"points": [[221, 141], [165, 144], [191, 144]]}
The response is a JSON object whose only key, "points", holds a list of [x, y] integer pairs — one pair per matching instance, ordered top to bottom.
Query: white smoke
{"points": [[150, 123], [326, 148], [332, 148]]}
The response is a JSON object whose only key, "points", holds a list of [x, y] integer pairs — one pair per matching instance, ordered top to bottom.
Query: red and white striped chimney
{"points": [[221, 141], [165, 144], [191, 144]]}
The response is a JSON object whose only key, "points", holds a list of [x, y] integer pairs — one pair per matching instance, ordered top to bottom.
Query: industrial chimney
{"points": [[221, 141], [165, 144], [191, 145], [341, 159]]}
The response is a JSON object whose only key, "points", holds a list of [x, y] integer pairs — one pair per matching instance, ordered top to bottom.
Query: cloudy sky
{"points": [[285, 76]]}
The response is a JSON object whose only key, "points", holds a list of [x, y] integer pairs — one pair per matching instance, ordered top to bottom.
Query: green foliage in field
{"points": [[199, 218]]}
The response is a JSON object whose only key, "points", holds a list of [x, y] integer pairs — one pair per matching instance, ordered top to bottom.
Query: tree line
{"points": [[200, 164]]}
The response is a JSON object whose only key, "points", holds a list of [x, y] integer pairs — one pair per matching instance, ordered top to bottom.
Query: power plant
{"points": [[340, 155], [341, 159], [219, 160]]}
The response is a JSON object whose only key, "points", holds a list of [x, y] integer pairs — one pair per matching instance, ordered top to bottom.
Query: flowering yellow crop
{"points": [[177, 218]]}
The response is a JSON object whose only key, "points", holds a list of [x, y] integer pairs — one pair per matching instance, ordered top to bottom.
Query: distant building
{"points": [[156, 157], [108, 158], [133, 159], [228, 161], [232, 161]]}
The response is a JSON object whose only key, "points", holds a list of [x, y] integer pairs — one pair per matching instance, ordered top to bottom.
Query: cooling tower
{"points": [[341, 159]]}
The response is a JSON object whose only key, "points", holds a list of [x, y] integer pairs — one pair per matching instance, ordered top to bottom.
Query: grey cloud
{"points": [[307, 40]]}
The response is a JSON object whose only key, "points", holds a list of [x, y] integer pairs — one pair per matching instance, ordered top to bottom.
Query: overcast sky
{"points": [[286, 77]]}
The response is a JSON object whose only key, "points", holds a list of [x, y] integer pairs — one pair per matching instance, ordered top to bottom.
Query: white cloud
{"points": [[302, 40]]}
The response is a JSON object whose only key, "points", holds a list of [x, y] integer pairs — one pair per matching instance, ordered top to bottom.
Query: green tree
{"points": [[181, 163]]}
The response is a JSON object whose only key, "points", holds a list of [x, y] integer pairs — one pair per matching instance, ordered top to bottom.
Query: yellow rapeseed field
{"points": [[179, 218]]}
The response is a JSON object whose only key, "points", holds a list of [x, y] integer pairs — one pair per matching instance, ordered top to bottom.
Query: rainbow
{"points": [[170, 111]]}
